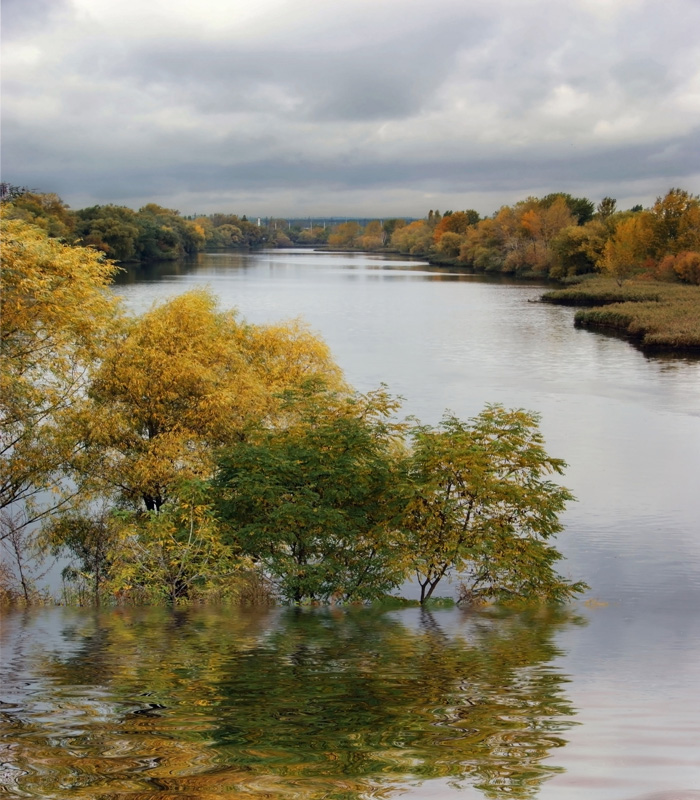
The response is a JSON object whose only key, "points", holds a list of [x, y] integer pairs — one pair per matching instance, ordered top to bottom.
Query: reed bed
{"points": [[656, 316]]}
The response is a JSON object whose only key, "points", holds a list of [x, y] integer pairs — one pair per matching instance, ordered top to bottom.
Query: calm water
{"points": [[602, 703]]}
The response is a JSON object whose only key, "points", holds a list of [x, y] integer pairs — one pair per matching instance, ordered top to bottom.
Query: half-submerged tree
{"points": [[318, 504], [484, 508]]}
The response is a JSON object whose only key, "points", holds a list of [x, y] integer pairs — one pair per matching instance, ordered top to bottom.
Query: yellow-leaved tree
{"points": [[627, 250], [57, 315], [183, 379], [179, 382]]}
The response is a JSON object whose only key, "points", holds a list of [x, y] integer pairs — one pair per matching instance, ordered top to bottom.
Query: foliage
{"points": [[606, 207], [581, 208], [46, 211], [456, 222], [676, 222], [114, 230], [345, 235], [560, 235], [415, 238], [577, 250], [626, 250], [685, 266], [56, 318], [182, 379], [134, 416], [318, 503], [484, 508], [91, 538], [168, 554]]}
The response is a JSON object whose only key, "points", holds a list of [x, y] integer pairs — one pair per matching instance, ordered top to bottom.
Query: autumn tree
{"points": [[581, 208], [45, 210], [457, 222], [675, 223], [392, 224], [540, 224], [345, 235], [372, 236], [415, 238], [450, 244], [483, 246], [629, 247], [577, 249], [684, 266], [56, 317], [182, 379], [318, 503], [484, 508], [171, 554]]}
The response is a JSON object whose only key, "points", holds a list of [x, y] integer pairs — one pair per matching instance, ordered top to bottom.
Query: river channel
{"points": [[600, 702]]}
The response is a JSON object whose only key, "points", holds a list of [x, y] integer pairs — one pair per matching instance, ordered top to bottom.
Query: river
{"points": [[601, 704]]}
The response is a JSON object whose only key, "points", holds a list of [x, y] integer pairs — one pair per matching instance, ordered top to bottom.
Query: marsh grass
{"points": [[656, 316]]}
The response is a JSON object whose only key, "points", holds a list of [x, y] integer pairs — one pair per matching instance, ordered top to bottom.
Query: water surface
{"points": [[601, 705]]}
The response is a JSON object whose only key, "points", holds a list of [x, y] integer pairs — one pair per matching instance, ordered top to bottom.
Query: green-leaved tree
{"points": [[318, 504], [484, 508]]}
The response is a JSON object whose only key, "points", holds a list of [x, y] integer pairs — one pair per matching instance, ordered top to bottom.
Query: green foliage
{"points": [[580, 207], [606, 207], [114, 230], [318, 503], [484, 508], [91, 538], [170, 554], [439, 602]]}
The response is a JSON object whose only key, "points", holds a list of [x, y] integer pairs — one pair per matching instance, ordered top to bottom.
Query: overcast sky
{"points": [[359, 107]]}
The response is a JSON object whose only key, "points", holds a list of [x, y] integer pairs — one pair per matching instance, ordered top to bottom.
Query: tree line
{"points": [[557, 236], [560, 236], [186, 454]]}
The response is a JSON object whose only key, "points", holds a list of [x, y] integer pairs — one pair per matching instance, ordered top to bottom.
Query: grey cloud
{"points": [[23, 16], [642, 75], [389, 80], [182, 114], [612, 166]]}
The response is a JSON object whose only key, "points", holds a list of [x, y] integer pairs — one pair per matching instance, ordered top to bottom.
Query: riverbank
{"points": [[657, 317]]}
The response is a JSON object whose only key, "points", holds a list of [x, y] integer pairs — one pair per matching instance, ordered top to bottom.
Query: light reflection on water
{"points": [[628, 425], [315, 703]]}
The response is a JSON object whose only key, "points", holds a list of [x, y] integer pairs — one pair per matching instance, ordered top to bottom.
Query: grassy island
{"points": [[656, 316]]}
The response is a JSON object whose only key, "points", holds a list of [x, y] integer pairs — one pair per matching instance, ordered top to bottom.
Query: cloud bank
{"points": [[369, 108]]}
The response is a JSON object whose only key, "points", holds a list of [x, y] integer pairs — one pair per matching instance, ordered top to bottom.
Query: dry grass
{"points": [[657, 316]]}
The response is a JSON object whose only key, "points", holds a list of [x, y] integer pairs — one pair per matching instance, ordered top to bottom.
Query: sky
{"points": [[356, 108]]}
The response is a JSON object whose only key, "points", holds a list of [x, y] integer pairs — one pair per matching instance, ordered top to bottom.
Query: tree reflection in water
{"points": [[305, 703]]}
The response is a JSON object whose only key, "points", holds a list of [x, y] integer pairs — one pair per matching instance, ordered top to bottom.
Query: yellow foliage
{"points": [[626, 250], [56, 316], [186, 377]]}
